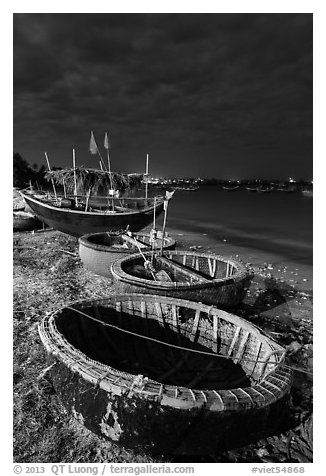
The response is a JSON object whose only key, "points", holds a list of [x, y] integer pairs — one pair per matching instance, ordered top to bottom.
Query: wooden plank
{"points": [[190, 273]]}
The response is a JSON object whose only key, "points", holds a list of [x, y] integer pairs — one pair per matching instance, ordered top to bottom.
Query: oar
{"points": [[166, 203], [153, 234], [147, 263]]}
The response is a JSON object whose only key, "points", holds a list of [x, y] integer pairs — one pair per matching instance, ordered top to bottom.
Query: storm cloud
{"points": [[224, 95]]}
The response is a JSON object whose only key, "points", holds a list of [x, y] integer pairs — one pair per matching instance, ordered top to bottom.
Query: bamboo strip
{"points": [[210, 266], [227, 270], [118, 307], [195, 326], [215, 332], [234, 340], [242, 347], [256, 357]]}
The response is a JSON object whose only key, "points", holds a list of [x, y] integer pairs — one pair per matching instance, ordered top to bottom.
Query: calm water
{"points": [[278, 222]]}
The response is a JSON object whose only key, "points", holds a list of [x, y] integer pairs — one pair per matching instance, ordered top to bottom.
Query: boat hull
{"points": [[78, 223], [144, 425]]}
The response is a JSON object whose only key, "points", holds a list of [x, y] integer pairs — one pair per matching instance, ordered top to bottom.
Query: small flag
{"points": [[106, 141], [92, 144]]}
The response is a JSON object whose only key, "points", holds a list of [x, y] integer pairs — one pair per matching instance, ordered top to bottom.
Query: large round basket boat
{"points": [[25, 221], [98, 251], [201, 277], [164, 375]]}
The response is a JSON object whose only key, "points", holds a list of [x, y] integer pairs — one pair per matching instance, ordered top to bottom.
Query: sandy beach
{"points": [[48, 274]]}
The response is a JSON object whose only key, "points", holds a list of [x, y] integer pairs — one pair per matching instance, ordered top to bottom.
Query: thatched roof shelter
{"points": [[93, 180]]}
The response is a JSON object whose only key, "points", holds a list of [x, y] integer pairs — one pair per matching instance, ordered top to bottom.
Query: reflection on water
{"points": [[276, 221]]}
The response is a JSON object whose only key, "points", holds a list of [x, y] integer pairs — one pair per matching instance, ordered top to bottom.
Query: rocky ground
{"points": [[48, 274]]}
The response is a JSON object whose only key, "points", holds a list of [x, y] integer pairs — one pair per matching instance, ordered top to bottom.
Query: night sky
{"points": [[210, 95]]}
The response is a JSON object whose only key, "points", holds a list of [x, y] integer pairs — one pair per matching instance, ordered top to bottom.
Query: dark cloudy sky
{"points": [[212, 95]]}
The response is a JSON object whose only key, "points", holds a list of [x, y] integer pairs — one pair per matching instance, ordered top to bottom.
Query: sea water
{"points": [[277, 222]]}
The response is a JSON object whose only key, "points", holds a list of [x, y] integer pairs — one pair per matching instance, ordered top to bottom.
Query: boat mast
{"points": [[107, 147], [146, 175], [75, 180], [54, 190]]}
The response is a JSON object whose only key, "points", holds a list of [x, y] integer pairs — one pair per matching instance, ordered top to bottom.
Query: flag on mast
{"points": [[106, 141], [92, 145]]}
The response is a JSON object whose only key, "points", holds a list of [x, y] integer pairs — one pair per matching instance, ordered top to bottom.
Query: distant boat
{"points": [[231, 187], [252, 188], [286, 188], [186, 189], [264, 189], [307, 193], [64, 215]]}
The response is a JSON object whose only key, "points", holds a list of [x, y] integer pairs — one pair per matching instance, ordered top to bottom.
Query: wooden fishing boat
{"points": [[231, 187], [252, 188], [265, 189], [103, 213], [25, 221], [98, 251], [201, 277], [163, 375]]}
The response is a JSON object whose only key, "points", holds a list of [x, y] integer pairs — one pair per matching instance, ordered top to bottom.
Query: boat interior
{"points": [[187, 268], [170, 344]]}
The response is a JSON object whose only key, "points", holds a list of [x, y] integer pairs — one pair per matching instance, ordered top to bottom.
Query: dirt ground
{"points": [[49, 274]]}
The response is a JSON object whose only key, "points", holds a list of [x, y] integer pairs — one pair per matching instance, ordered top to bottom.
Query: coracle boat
{"points": [[103, 213], [25, 221], [98, 251], [201, 277], [164, 375]]}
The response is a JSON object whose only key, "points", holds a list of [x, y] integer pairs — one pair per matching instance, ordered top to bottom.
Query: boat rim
{"points": [[103, 213], [84, 241]]}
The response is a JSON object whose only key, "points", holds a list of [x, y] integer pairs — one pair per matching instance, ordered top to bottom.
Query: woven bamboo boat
{"points": [[101, 216], [25, 221], [98, 251], [201, 277], [165, 375]]}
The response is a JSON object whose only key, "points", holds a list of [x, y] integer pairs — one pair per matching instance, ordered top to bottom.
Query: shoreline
{"points": [[299, 275]]}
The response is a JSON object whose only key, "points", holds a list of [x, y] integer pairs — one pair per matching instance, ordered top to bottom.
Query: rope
{"points": [[196, 351]]}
